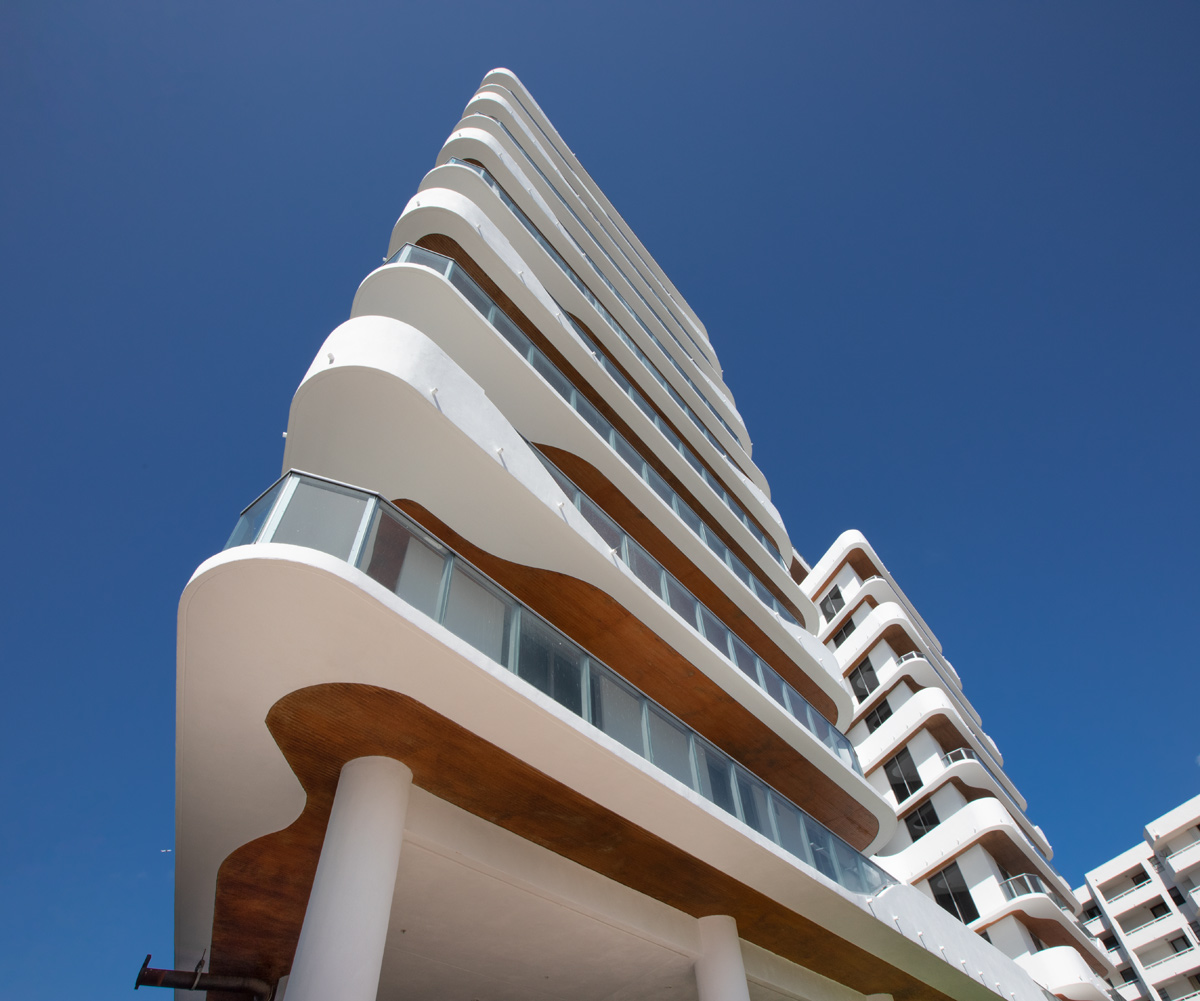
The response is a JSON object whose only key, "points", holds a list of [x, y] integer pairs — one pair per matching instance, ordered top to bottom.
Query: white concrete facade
{"points": [[513, 686], [963, 836], [1143, 907]]}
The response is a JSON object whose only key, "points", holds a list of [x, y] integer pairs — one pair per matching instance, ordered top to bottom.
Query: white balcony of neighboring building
{"points": [[965, 764], [980, 820], [1165, 832], [1184, 861], [1126, 898], [1149, 929], [1163, 963], [1063, 972], [1129, 991]]}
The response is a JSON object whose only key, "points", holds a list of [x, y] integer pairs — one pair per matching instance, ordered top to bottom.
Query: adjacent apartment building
{"points": [[513, 685], [1143, 907]]}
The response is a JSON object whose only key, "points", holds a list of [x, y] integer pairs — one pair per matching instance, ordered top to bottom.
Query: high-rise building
{"points": [[514, 686], [1143, 908]]}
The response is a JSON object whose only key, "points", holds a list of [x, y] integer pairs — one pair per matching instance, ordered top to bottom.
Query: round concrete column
{"points": [[340, 951], [720, 974]]}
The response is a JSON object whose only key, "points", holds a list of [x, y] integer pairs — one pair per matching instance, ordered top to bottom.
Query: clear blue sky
{"points": [[947, 251]]}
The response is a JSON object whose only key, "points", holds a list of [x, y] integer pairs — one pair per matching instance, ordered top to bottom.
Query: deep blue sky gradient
{"points": [[948, 253]]}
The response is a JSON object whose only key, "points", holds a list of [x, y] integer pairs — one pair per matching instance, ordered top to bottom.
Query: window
{"points": [[832, 603], [843, 634], [863, 680], [878, 716], [901, 772], [922, 820], [1139, 877], [950, 891], [1176, 896], [1159, 910], [1091, 912], [985, 936], [1110, 943], [1038, 944], [1180, 944], [1127, 975]]}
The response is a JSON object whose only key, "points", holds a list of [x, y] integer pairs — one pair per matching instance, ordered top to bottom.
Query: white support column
{"points": [[340, 952], [720, 974]]}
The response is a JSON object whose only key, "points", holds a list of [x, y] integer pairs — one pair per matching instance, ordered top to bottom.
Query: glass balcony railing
{"points": [[603, 310], [611, 320], [706, 353], [537, 359], [376, 537], [719, 636], [959, 754], [1029, 882]]}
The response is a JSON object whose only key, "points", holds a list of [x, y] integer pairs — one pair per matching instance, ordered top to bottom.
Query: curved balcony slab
{"points": [[503, 80], [493, 105], [453, 210], [427, 301], [476, 474], [839, 553], [313, 646], [932, 709], [980, 821], [1185, 861], [1053, 925], [1153, 930], [1062, 971]]}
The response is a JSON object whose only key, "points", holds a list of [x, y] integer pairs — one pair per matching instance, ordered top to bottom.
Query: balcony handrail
{"points": [[629, 342], [533, 356], [374, 536], [672, 593], [1180, 851], [1026, 883], [1127, 892], [1151, 921], [1167, 959]]}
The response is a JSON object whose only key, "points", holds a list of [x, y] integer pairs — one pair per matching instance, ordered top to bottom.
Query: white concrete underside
{"points": [[480, 913]]}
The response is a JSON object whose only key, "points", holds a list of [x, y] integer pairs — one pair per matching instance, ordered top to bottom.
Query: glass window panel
{"points": [[419, 255], [470, 290], [511, 332], [541, 365], [645, 407], [593, 416], [629, 454], [659, 485], [322, 516], [688, 516], [246, 530], [609, 530], [716, 545], [645, 567], [739, 569], [420, 578], [681, 600], [477, 613], [715, 631], [745, 659], [551, 663], [774, 686], [617, 711], [670, 747], [716, 780], [755, 808], [793, 836], [821, 842]]}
